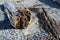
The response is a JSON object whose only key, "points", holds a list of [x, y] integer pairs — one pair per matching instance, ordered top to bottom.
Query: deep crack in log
{"points": [[47, 24]]}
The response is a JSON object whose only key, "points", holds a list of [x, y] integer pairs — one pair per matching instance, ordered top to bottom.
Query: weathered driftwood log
{"points": [[47, 24]]}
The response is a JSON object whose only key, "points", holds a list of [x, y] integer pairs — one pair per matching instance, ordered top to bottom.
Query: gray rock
{"points": [[11, 34], [38, 35]]}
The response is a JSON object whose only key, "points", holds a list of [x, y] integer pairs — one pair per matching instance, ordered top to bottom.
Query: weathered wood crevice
{"points": [[47, 24]]}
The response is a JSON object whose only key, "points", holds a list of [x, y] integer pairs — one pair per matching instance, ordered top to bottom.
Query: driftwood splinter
{"points": [[22, 19]]}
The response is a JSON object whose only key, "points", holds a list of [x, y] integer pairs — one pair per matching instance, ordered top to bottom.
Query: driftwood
{"points": [[48, 25]]}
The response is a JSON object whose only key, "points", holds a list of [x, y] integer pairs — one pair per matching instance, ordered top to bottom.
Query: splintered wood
{"points": [[25, 16], [22, 19]]}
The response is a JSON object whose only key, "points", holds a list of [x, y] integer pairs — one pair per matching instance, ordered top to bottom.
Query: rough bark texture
{"points": [[50, 26]]}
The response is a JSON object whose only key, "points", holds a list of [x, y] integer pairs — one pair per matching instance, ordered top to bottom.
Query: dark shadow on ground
{"points": [[50, 3], [5, 24]]}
